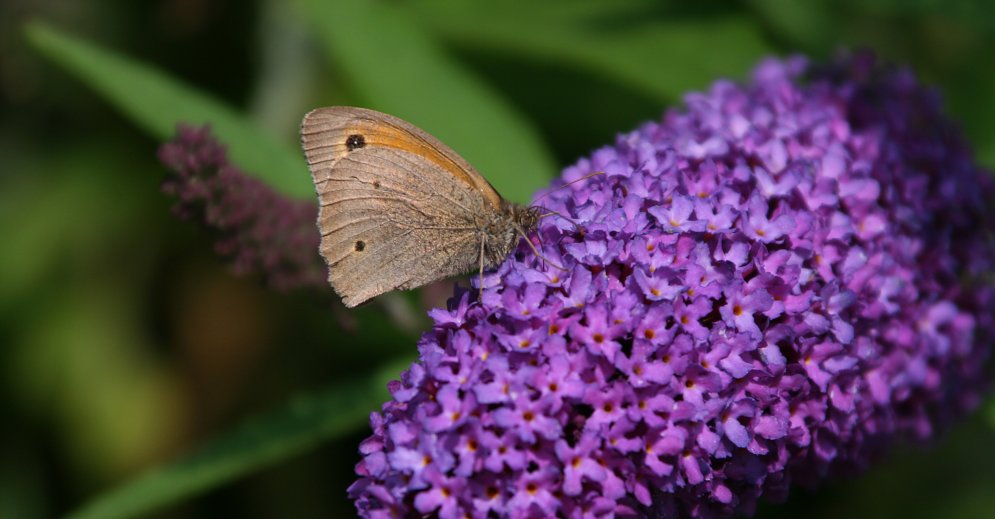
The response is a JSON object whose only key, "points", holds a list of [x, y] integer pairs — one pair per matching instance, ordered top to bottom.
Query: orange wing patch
{"points": [[326, 134]]}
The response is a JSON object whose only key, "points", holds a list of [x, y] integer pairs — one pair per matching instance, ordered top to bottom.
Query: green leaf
{"points": [[811, 26], [661, 51], [396, 67], [157, 102], [303, 424]]}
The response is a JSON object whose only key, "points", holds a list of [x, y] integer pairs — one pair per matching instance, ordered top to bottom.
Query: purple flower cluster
{"points": [[259, 230], [769, 286]]}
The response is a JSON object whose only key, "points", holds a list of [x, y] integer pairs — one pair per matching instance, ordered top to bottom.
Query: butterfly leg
{"points": [[541, 247], [536, 251], [480, 287]]}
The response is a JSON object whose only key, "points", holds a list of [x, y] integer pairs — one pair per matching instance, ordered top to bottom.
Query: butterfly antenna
{"points": [[585, 177]]}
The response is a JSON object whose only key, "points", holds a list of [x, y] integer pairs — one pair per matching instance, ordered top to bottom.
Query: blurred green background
{"points": [[127, 345]]}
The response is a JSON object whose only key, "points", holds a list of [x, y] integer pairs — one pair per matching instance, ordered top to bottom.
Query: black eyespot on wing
{"points": [[355, 141], [376, 184], [360, 245]]}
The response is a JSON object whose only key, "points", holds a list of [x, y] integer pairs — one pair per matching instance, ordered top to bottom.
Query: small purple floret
{"points": [[772, 285]]}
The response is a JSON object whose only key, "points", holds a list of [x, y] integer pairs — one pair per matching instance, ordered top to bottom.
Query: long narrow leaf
{"points": [[657, 49], [394, 66], [156, 102], [301, 425]]}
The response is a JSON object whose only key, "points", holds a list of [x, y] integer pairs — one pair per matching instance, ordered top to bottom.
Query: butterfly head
{"points": [[527, 218]]}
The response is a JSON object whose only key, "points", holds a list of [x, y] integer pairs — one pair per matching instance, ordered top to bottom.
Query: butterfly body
{"points": [[399, 209], [501, 232]]}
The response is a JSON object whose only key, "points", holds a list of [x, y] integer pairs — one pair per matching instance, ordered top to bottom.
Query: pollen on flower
{"points": [[695, 351]]}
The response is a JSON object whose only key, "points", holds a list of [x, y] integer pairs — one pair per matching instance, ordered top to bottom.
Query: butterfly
{"points": [[400, 209]]}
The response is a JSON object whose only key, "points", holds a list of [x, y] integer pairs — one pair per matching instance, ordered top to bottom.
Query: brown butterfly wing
{"points": [[325, 133], [390, 218]]}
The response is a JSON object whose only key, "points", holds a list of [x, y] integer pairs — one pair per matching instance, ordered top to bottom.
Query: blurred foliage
{"points": [[398, 68], [156, 103], [127, 344], [270, 438]]}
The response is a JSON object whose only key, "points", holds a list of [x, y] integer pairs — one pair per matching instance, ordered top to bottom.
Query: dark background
{"points": [[126, 343]]}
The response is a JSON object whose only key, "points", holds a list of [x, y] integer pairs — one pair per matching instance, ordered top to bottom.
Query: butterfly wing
{"points": [[325, 134], [392, 216]]}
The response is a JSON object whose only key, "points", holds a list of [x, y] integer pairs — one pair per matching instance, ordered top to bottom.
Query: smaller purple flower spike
{"points": [[254, 227], [772, 285]]}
